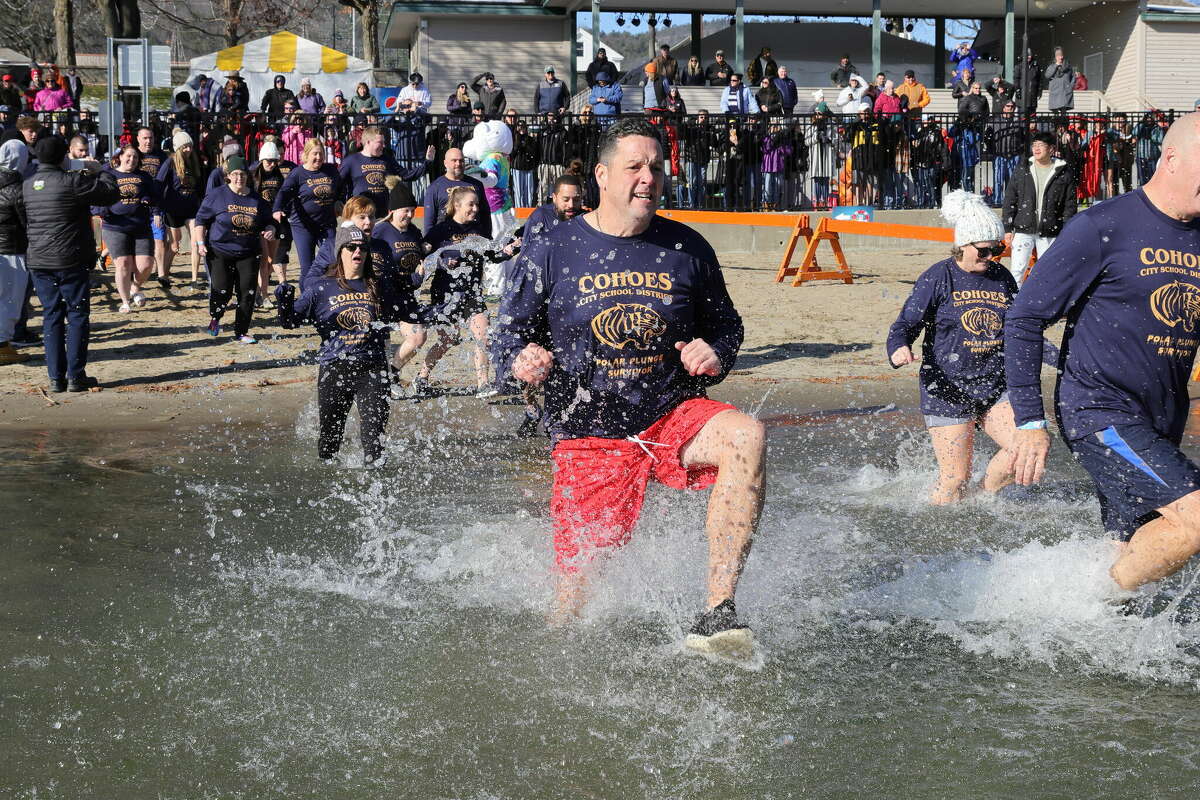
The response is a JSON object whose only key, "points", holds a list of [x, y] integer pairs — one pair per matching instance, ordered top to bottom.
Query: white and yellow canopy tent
{"points": [[285, 54]]}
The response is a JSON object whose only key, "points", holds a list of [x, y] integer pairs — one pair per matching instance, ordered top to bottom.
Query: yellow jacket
{"points": [[917, 96]]}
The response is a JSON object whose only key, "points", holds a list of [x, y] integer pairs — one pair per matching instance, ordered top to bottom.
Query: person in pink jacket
{"points": [[52, 98], [888, 101], [295, 133]]}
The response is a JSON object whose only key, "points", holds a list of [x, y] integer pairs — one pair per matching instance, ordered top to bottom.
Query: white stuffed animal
{"points": [[490, 145]]}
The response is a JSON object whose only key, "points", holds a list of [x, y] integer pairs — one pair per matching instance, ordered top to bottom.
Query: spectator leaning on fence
{"points": [[414, 97], [309, 99], [363, 102]]}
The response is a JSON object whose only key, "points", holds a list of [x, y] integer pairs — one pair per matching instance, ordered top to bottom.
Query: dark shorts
{"points": [[172, 221], [123, 243], [1136, 471]]}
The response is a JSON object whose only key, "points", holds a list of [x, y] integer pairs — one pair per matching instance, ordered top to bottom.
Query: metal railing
{"points": [[724, 162]]}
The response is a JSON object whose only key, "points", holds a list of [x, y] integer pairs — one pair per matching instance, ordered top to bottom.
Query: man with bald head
{"points": [[438, 192], [1126, 276]]}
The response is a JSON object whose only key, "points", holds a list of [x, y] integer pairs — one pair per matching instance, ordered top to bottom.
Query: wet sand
{"points": [[818, 346]]}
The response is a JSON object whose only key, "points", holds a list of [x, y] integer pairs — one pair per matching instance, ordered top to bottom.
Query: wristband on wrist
{"points": [[1033, 425]]}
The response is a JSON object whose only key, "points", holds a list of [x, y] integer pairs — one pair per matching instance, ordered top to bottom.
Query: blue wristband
{"points": [[1033, 425]]}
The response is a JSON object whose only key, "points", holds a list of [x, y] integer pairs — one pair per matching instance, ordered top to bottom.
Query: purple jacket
{"points": [[311, 104], [775, 151]]}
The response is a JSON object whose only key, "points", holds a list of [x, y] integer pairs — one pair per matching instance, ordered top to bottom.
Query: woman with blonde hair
{"points": [[182, 193], [307, 199]]}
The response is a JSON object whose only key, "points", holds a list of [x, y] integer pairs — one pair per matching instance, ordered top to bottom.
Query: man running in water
{"points": [[1126, 275], [624, 316]]}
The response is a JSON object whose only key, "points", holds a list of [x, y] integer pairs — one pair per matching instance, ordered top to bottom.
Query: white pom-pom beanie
{"points": [[973, 221]]}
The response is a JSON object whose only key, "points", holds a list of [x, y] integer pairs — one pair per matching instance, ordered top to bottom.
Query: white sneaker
{"points": [[138, 299], [124, 309], [485, 392]]}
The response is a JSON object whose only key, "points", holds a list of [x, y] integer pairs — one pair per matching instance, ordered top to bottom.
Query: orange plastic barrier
{"points": [[829, 230]]}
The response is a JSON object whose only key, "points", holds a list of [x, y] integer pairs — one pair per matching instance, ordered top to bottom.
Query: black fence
{"points": [[723, 162]]}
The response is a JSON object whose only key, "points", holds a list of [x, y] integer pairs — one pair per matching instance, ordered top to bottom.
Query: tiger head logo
{"points": [[375, 178], [128, 190], [322, 192], [243, 222], [1176, 303], [354, 319], [982, 322], [628, 323]]}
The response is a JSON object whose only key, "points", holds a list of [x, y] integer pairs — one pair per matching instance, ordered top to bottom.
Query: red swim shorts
{"points": [[600, 484]]}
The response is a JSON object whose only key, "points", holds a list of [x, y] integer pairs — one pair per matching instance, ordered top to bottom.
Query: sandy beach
{"points": [[817, 346]]}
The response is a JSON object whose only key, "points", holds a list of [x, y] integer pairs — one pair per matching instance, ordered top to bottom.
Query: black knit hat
{"points": [[50, 150], [401, 196]]}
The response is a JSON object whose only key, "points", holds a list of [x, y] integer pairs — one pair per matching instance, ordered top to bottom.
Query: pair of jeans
{"points": [[1146, 167], [1003, 168], [735, 178], [696, 185], [753, 185], [525, 187], [771, 188], [925, 188], [820, 192], [308, 242], [14, 280], [66, 319]]}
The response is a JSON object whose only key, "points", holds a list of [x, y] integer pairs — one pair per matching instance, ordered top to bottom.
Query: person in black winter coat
{"points": [[1027, 78], [768, 98], [273, 99], [929, 157], [1025, 228], [61, 249], [14, 279]]}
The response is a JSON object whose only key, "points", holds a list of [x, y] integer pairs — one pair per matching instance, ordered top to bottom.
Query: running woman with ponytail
{"points": [[182, 190]]}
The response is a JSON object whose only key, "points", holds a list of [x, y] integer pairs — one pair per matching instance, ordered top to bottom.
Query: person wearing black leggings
{"points": [[234, 219], [346, 304]]}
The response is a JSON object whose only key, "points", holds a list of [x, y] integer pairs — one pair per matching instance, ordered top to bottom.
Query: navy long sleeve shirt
{"points": [[364, 174], [439, 192], [139, 195], [307, 197], [178, 199], [233, 222], [1127, 279], [610, 309], [961, 315], [347, 318]]}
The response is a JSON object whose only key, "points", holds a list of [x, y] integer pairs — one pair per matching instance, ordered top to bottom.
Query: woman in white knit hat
{"points": [[959, 304]]}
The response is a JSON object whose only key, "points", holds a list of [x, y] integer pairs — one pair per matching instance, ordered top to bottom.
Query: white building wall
{"points": [[1171, 56]]}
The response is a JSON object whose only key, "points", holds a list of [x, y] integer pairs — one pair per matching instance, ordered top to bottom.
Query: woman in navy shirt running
{"points": [[307, 198], [960, 304]]}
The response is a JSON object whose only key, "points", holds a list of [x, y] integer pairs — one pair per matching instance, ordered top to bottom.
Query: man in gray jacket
{"points": [[1060, 79], [491, 94], [61, 248]]}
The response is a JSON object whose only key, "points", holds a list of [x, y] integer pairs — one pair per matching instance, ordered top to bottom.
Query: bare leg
{"points": [[160, 250], [170, 250], [193, 251], [123, 266], [264, 267], [144, 268], [478, 325], [414, 340], [446, 340], [999, 424], [736, 444], [953, 446], [1162, 546], [570, 596]]}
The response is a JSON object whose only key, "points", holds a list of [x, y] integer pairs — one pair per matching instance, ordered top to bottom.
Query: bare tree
{"points": [[368, 12], [122, 19], [234, 20], [27, 28], [64, 32]]}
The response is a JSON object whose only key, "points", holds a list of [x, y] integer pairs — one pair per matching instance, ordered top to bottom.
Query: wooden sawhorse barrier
{"points": [[829, 229]]}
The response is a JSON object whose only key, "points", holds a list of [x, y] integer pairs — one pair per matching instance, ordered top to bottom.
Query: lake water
{"points": [[214, 614]]}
